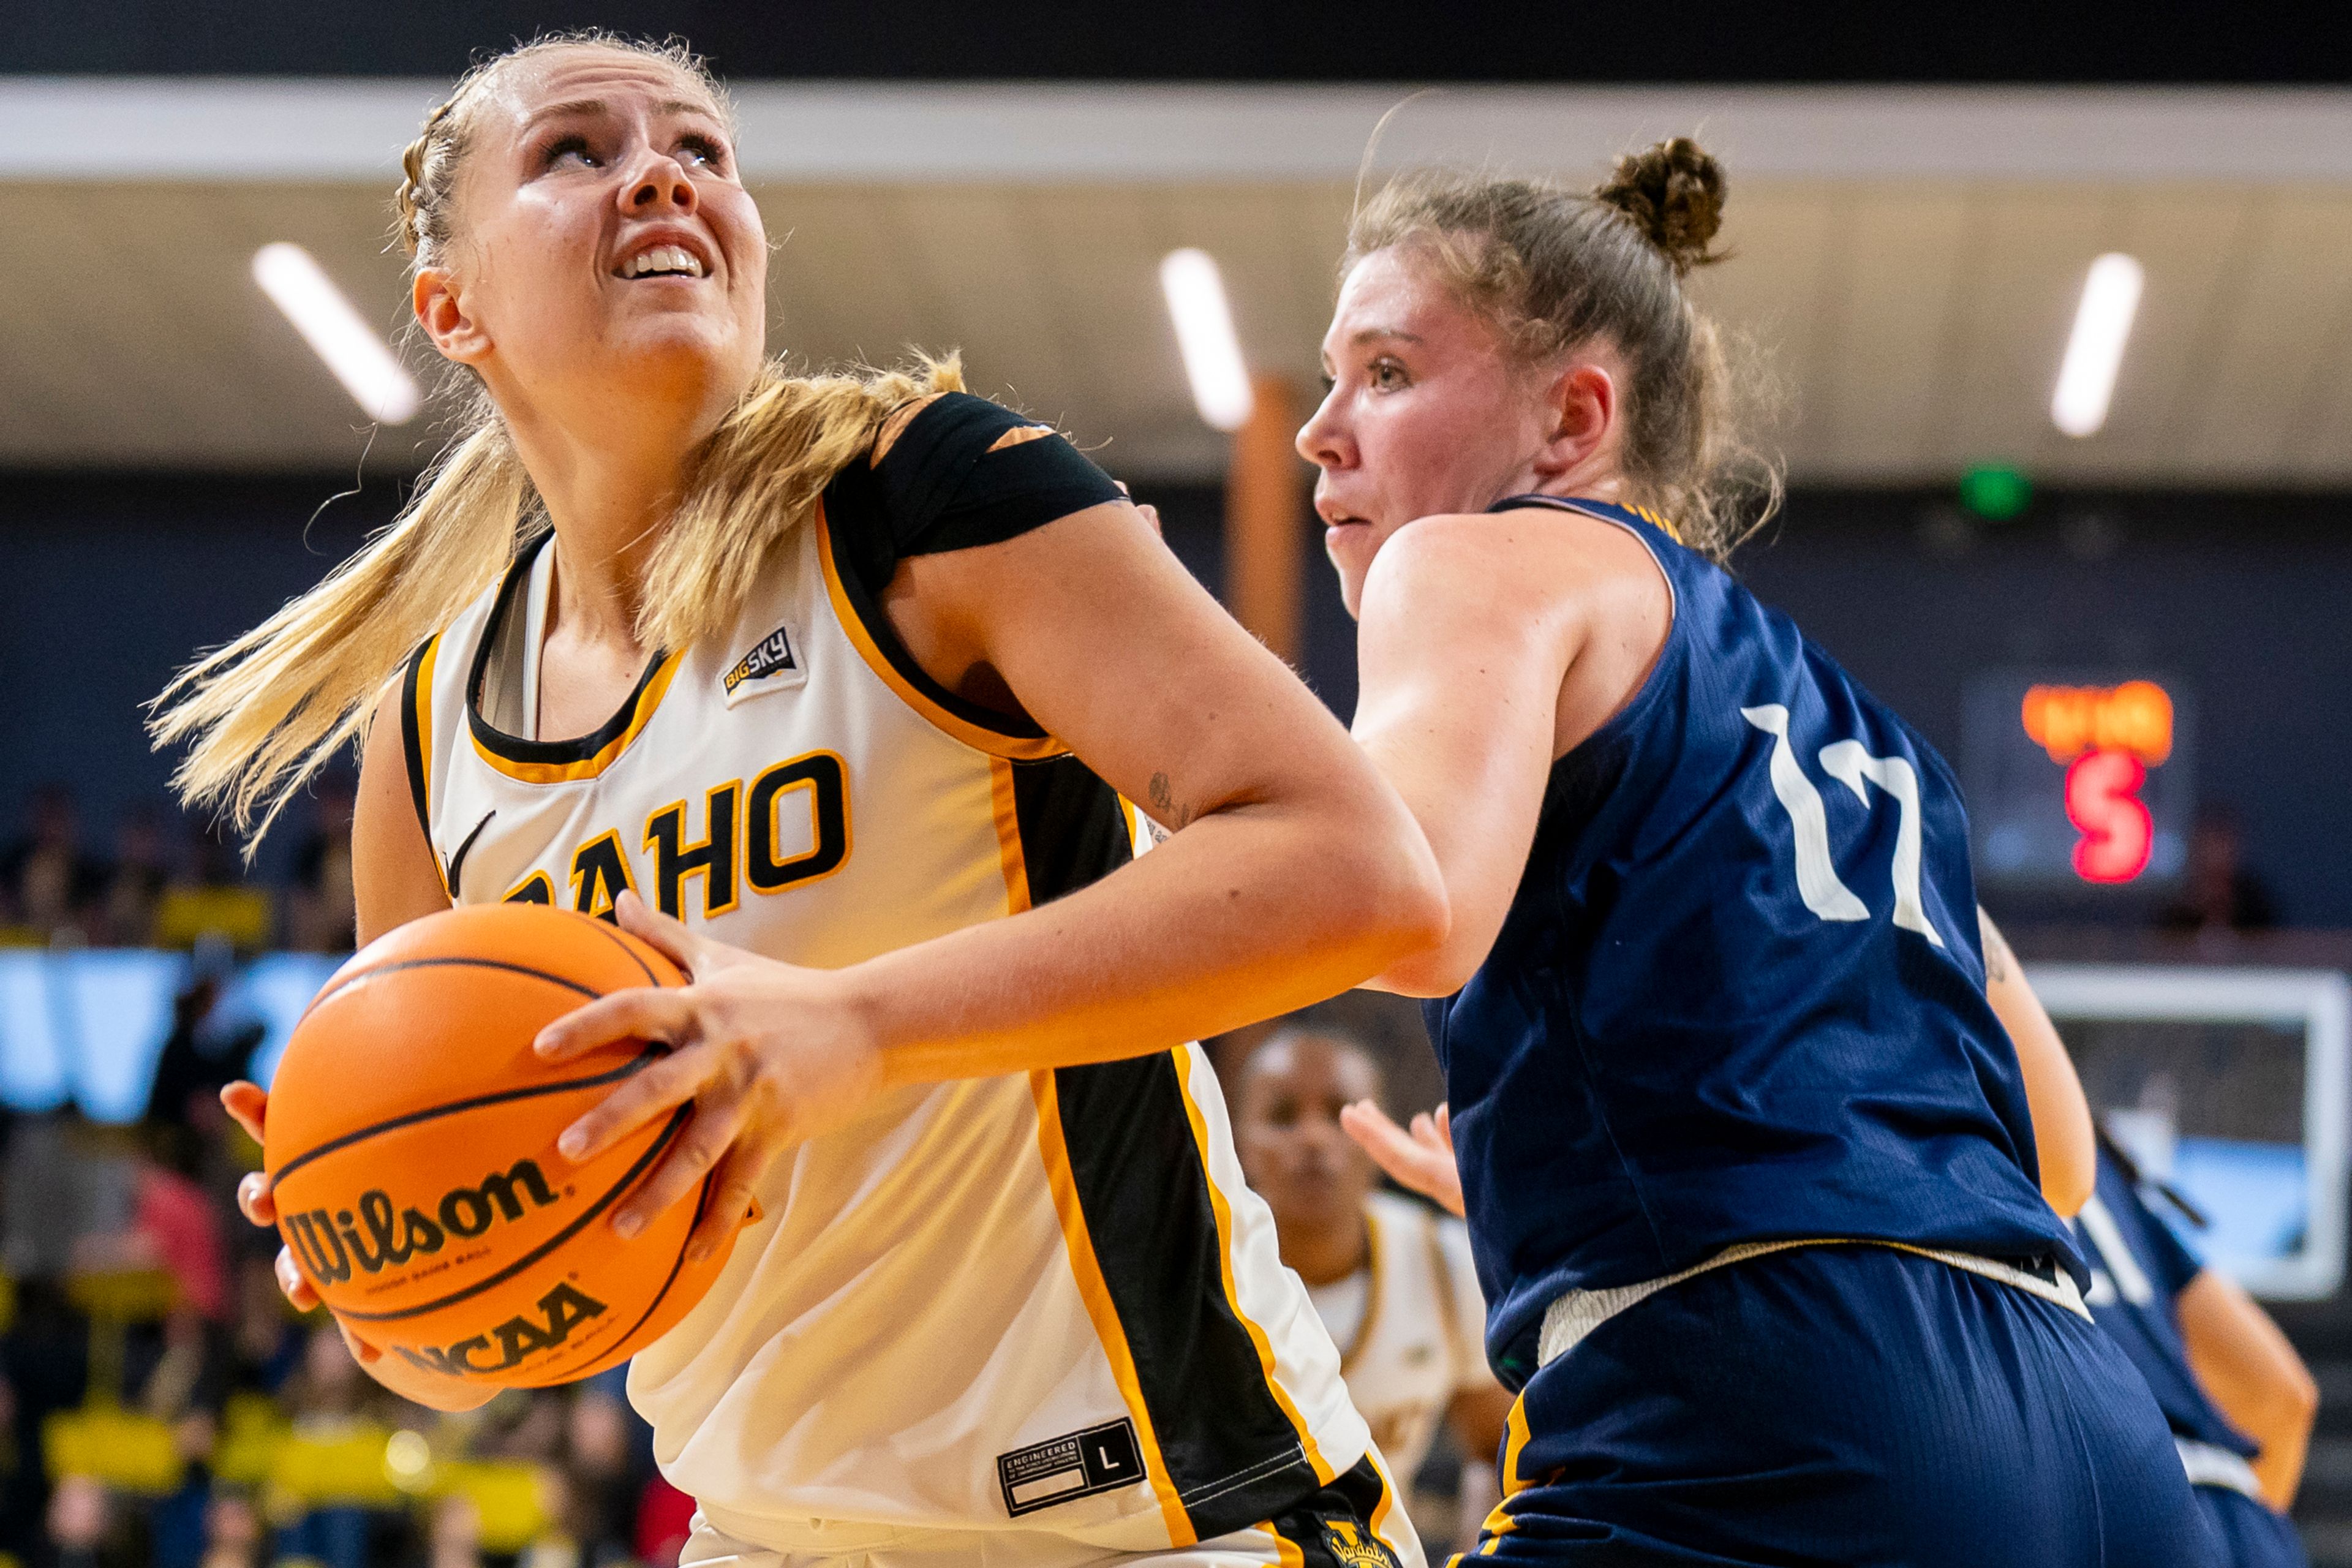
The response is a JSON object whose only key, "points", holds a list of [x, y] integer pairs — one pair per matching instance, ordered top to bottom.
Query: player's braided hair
{"points": [[1552, 270], [265, 711]]}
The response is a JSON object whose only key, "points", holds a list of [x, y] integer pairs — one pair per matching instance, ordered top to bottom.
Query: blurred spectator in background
{"points": [[135, 883], [49, 888], [2219, 894], [212, 897], [320, 907], [209, 1047], [1391, 1279], [326, 1514], [233, 1531]]}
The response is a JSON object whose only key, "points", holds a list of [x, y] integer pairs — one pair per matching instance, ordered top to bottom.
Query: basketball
{"points": [[411, 1139]]}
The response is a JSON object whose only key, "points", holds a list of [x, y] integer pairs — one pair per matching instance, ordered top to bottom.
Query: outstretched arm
{"points": [[1461, 658], [1291, 873], [2062, 1135], [2253, 1374]]}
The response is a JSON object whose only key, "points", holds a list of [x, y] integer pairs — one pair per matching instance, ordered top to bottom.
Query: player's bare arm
{"points": [[1463, 654], [1295, 873], [2063, 1137], [2251, 1371]]}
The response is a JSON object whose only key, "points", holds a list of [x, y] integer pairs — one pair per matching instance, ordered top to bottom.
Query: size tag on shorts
{"points": [[1097, 1459]]}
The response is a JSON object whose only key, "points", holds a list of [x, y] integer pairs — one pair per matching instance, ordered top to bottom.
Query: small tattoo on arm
{"points": [[1165, 811], [1998, 958]]}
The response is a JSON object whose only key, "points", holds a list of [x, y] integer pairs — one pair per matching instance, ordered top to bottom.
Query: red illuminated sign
{"points": [[2109, 737], [2103, 802]]}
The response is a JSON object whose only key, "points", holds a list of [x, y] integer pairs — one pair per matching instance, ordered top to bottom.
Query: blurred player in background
{"points": [[845, 679], [1748, 1161], [1392, 1279], [2239, 1400]]}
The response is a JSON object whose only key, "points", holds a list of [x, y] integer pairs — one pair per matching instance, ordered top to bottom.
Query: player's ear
{"points": [[440, 309], [1581, 401]]}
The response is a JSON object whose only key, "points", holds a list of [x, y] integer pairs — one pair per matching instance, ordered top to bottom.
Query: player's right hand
{"points": [[250, 1105], [1422, 1159]]}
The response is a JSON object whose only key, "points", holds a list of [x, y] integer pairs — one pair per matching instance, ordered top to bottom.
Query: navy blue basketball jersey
{"points": [[1739, 994], [2138, 1269]]}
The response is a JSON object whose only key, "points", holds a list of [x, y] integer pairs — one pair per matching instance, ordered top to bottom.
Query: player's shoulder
{"points": [[959, 422], [1535, 556]]}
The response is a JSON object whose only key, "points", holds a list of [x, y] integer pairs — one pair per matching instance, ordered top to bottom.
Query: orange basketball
{"points": [[412, 1145]]}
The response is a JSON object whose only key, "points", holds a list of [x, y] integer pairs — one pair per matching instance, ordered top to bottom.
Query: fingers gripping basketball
{"points": [[411, 1146]]}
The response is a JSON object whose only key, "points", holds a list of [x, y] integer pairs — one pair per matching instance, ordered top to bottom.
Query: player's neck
{"points": [[611, 495], [1327, 1254]]}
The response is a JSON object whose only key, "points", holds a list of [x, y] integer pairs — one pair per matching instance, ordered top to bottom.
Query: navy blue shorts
{"points": [[1844, 1404], [2251, 1536]]}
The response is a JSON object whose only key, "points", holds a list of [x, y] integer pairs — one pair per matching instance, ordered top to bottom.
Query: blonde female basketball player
{"points": [[846, 680]]}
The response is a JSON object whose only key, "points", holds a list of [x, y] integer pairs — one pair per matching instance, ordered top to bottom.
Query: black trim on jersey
{"points": [[945, 485], [940, 489], [1019, 727], [413, 741], [514, 748], [1072, 828], [458, 861], [1141, 1182], [1228, 1447], [1333, 1529]]}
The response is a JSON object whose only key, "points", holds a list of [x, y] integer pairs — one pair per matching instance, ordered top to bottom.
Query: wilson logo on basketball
{"points": [[378, 1236], [562, 1309]]}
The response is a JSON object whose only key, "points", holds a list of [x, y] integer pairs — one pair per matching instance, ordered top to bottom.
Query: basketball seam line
{"points": [[609, 934], [453, 962], [451, 1108], [545, 1248], [677, 1267]]}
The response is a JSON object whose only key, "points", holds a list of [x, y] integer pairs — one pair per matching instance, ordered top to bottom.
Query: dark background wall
{"points": [[1222, 41], [106, 585]]}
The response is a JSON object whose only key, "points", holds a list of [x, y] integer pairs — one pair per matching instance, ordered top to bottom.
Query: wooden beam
{"points": [[1265, 517]]}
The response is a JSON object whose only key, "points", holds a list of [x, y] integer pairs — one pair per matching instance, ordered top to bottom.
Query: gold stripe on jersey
{"points": [[1658, 522], [648, 698], [423, 719], [995, 742], [1008, 835], [1095, 1291], [1324, 1470], [1387, 1507], [1499, 1522], [1285, 1550]]}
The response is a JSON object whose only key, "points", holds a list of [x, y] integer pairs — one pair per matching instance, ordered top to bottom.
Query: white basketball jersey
{"points": [[1040, 1301], [1412, 1323]]}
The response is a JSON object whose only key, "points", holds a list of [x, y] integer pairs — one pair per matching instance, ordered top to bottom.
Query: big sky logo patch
{"points": [[769, 667]]}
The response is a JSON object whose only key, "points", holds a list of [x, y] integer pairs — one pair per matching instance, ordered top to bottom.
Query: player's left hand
{"points": [[769, 1054], [1420, 1159]]}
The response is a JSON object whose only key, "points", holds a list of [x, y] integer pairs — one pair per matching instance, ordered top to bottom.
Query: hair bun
{"points": [[1673, 191]]}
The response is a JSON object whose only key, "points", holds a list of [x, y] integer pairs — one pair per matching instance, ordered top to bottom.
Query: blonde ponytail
{"points": [[265, 711]]}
